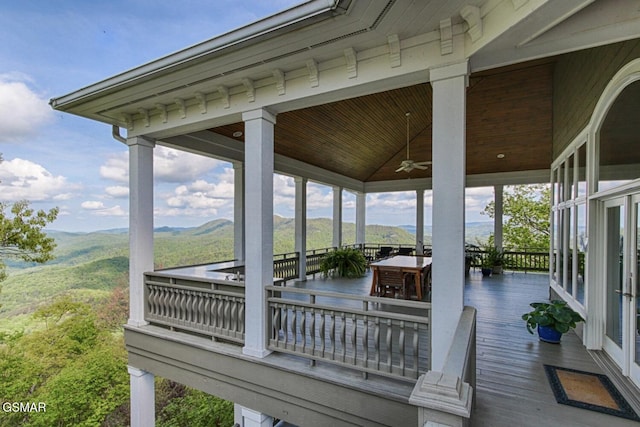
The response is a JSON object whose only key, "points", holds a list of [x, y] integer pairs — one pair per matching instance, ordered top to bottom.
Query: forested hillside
{"points": [[60, 323]]}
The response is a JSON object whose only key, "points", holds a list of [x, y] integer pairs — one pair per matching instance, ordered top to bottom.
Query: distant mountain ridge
{"points": [[473, 228], [89, 265]]}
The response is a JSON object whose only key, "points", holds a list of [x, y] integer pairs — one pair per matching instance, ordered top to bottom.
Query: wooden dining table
{"points": [[419, 266]]}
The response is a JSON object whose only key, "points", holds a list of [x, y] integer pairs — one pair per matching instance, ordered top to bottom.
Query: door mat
{"points": [[590, 391]]}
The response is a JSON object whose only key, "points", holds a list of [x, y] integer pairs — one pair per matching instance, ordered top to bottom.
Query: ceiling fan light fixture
{"points": [[408, 165]]}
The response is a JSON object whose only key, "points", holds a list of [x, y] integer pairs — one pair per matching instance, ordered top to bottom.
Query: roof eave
{"points": [[304, 14]]}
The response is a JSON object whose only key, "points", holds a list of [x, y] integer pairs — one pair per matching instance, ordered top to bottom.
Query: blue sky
{"points": [[50, 48]]}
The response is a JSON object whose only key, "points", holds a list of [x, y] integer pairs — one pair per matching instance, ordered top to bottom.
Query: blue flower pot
{"points": [[548, 334]]}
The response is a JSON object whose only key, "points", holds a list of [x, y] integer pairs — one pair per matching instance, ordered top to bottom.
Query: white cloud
{"points": [[22, 111], [169, 166], [178, 166], [116, 168], [24, 179], [117, 191], [284, 191], [319, 196], [200, 198], [477, 198], [401, 200], [92, 205], [98, 208], [112, 211]]}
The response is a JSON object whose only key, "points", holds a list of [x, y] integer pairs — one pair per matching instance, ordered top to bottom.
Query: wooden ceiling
{"points": [[509, 112]]}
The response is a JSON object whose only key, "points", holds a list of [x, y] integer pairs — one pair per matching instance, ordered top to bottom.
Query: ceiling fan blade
{"points": [[429, 162], [421, 167]]}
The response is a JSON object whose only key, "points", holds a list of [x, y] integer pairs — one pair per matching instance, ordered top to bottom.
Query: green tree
{"points": [[526, 210], [21, 233], [72, 365]]}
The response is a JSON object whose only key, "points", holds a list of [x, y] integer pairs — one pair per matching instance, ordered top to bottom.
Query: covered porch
{"points": [[320, 93], [511, 386]]}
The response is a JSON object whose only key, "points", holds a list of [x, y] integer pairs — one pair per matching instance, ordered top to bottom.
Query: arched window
{"points": [[619, 140]]}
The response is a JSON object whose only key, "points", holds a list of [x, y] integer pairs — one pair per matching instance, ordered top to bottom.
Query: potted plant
{"points": [[495, 259], [344, 262], [485, 266], [552, 319]]}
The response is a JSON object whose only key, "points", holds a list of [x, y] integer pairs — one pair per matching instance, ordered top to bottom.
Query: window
{"points": [[569, 223]]}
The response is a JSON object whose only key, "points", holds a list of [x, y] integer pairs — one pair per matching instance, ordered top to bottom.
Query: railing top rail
{"points": [[287, 255], [230, 262], [193, 278], [189, 288], [386, 301], [425, 320], [459, 352]]}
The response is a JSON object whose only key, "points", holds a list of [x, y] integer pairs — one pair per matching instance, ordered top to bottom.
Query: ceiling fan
{"points": [[408, 165]]}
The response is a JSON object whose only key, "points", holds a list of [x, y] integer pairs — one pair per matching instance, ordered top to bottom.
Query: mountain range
{"points": [[90, 265]]}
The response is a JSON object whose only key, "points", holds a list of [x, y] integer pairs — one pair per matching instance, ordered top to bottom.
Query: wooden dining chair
{"points": [[405, 251], [384, 252], [391, 281]]}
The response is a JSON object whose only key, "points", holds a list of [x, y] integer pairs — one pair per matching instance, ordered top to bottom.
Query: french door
{"points": [[622, 285]]}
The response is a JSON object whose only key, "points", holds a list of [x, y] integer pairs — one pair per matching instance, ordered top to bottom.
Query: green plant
{"points": [[492, 256], [344, 262], [555, 314]]}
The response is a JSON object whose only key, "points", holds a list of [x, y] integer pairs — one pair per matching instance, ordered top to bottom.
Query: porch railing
{"points": [[314, 258], [516, 260], [286, 266], [196, 306], [305, 323]]}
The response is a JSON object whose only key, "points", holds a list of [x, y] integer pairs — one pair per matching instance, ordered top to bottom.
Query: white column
{"points": [[449, 110], [258, 199], [498, 201], [238, 211], [337, 216], [361, 221], [419, 222], [140, 224], [301, 226], [142, 398], [251, 418]]}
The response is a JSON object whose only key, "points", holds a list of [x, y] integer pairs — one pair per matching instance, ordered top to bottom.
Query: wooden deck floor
{"points": [[512, 388]]}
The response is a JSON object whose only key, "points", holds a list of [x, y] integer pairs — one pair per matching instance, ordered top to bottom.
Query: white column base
{"points": [[143, 401], [245, 417]]}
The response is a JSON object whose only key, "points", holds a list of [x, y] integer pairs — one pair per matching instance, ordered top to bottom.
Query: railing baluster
{"points": [[202, 299], [233, 315], [241, 315], [294, 321], [276, 324], [285, 324], [322, 325], [303, 331], [312, 331], [332, 334], [354, 340], [343, 341], [365, 341], [376, 341], [388, 344], [401, 346], [415, 349]]}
